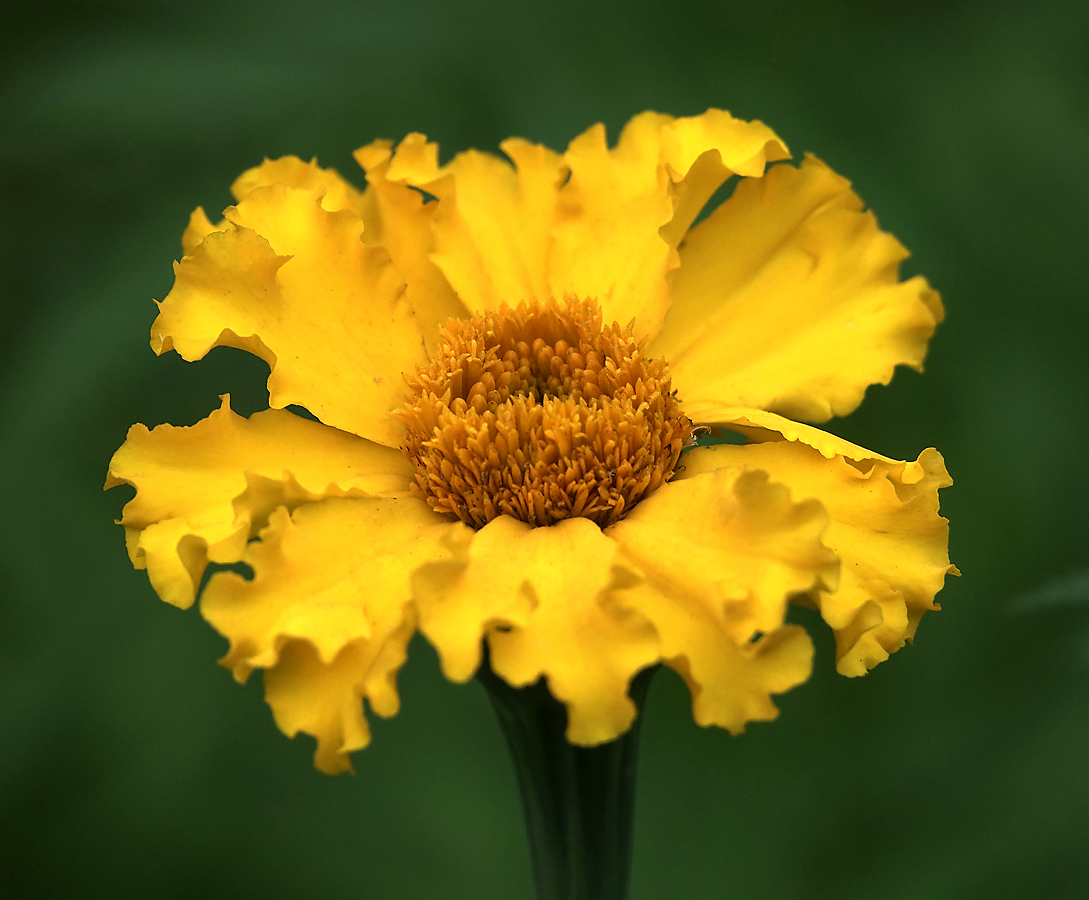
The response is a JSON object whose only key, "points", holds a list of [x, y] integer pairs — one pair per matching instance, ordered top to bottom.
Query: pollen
{"points": [[541, 413]]}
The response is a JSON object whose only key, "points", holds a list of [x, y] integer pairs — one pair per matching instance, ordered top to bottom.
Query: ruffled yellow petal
{"points": [[700, 153], [415, 162], [335, 192], [395, 218], [493, 221], [404, 224], [199, 227], [506, 233], [607, 240], [607, 244], [292, 283], [788, 299], [760, 426], [203, 491], [883, 525], [731, 542], [723, 552], [336, 575], [541, 596], [462, 599], [326, 699]]}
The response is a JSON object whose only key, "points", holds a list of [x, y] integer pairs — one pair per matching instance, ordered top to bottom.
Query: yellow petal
{"points": [[744, 148], [701, 152], [416, 161], [331, 187], [335, 193], [395, 218], [493, 220], [403, 224], [200, 226], [506, 233], [615, 234], [607, 244], [293, 283], [788, 299], [760, 426], [203, 491], [884, 526], [732, 542], [723, 552], [331, 571], [334, 574], [540, 595], [461, 599], [731, 683], [326, 699]]}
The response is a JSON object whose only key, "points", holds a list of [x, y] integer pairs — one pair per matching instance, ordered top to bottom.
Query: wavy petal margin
{"points": [[329, 185], [335, 192], [620, 214], [594, 222], [491, 223], [405, 225], [292, 282], [788, 299], [203, 491], [883, 524], [723, 552], [541, 597], [462, 599], [327, 613]]}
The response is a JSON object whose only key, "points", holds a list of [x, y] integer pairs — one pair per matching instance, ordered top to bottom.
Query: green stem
{"points": [[579, 802]]}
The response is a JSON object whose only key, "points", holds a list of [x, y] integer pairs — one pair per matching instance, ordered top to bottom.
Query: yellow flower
{"points": [[506, 359]]}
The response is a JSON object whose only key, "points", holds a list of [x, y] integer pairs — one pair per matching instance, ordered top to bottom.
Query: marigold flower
{"points": [[506, 359]]}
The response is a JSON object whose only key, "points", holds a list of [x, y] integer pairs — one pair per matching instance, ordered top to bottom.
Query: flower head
{"points": [[507, 359]]}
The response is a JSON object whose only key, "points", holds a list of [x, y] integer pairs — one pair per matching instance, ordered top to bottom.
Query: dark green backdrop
{"points": [[130, 764]]}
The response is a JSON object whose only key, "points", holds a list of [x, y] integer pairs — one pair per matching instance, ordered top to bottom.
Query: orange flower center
{"points": [[541, 413]]}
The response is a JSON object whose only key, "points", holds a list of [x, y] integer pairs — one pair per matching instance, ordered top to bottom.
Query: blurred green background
{"points": [[132, 766]]}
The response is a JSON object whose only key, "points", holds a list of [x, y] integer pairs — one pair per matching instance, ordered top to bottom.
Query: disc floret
{"points": [[542, 413]]}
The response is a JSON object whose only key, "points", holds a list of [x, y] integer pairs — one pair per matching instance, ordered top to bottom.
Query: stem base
{"points": [[579, 802]]}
